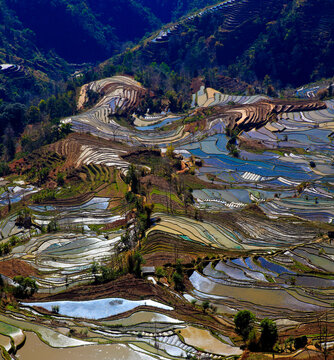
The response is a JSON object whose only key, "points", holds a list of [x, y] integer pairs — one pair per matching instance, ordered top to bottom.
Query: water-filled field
{"points": [[270, 177], [252, 235], [63, 258], [275, 286], [97, 309], [34, 348]]}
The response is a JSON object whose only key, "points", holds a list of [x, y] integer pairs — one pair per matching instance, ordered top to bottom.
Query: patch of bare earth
{"points": [[15, 267]]}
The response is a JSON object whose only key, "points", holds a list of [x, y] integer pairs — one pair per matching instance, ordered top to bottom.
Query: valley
{"points": [[174, 201], [251, 233]]}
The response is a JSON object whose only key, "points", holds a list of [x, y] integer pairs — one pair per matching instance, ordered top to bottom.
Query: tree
{"points": [[92, 97], [42, 106], [33, 115], [64, 130], [115, 130], [8, 143], [170, 151], [4, 169], [43, 175], [60, 179], [132, 179], [188, 198], [148, 208], [24, 218], [52, 226], [125, 243], [135, 260], [138, 262], [131, 263], [94, 270], [160, 272], [178, 277], [178, 281], [26, 286], [205, 305], [55, 309], [322, 320], [244, 323], [269, 334], [300, 342]]}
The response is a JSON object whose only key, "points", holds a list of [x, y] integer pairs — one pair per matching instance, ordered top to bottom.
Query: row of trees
{"points": [[136, 201], [132, 265], [26, 286], [244, 322], [245, 326]]}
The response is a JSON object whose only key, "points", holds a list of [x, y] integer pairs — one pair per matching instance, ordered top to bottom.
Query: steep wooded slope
{"points": [[291, 41]]}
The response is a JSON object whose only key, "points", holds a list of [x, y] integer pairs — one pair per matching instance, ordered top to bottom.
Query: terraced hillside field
{"points": [[153, 233]]}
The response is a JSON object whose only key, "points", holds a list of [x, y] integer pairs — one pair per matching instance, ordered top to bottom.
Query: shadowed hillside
{"points": [[81, 31], [250, 39]]}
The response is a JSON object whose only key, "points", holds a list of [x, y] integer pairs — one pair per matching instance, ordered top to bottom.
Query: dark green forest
{"points": [[86, 30], [290, 41]]}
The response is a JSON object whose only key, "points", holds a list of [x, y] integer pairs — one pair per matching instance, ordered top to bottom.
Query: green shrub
{"points": [[60, 179], [44, 195], [160, 272], [26, 286], [244, 323], [269, 334], [300, 342]]}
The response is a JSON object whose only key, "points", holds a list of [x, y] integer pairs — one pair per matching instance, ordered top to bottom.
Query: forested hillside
{"points": [[87, 30], [42, 38], [249, 40], [18, 45]]}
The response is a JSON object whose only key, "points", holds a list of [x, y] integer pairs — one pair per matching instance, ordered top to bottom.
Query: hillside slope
{"points": [[81, 31], [250, 39]]}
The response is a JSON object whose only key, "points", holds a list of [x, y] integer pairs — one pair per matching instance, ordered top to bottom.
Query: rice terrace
{"points": [[175, 201]]}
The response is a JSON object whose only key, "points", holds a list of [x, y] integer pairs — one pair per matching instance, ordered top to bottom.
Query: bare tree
{"points": [[115, 130], [322, 321]]}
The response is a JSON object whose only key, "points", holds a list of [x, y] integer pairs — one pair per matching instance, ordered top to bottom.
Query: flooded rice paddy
{"points": [[280, 271], [97, 309], [35, 349]]}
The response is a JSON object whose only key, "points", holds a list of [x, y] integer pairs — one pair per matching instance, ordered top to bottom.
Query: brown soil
{"points": [[196, 84], [228, 84], [254, 116], [195, 126], [251, 144], [71, 147], [133, 155], [16, 165], [156, 181], [195, 183], [161, 199], [73, 201], [114, 203], [115, 224], [161, 248], [161, 258], [15, 267], [127, 286], [311, 327], [306, 354]]}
